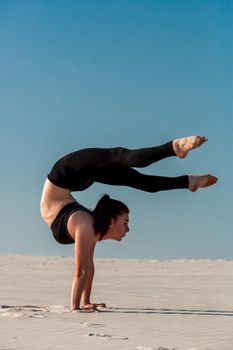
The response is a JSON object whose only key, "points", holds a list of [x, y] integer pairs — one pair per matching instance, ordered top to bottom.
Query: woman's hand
{"points": [[93, 307], [86, 308]]}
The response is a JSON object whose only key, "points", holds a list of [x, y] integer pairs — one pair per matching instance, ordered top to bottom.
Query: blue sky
{"points": [[106, 73]]}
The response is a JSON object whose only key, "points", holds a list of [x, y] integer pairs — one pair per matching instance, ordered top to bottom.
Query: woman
{"points": [[70, 222]]}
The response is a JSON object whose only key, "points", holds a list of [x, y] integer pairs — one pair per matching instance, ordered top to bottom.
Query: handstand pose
{"points": [[70, 222]]}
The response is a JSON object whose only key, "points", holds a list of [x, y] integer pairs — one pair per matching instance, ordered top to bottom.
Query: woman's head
{"points": [[109, 212]]}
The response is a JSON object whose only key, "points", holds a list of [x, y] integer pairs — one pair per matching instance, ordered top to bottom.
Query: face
{"points": [[119, 227]]}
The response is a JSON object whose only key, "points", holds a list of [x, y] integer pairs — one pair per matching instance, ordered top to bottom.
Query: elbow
{"points": [[79, 273]]}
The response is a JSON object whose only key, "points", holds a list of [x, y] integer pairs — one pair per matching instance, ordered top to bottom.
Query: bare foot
{"points": [[184, 145], [197, 181]]}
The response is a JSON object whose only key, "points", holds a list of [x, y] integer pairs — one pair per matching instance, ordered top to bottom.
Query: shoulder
{"points": [[81, 225]]}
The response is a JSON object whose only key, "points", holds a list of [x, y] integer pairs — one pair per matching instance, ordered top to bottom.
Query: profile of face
{"points": [[118, 227]]}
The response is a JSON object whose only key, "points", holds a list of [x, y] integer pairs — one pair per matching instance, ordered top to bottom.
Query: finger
{"points": [[102, 305], [90, 306], [89, 309]]}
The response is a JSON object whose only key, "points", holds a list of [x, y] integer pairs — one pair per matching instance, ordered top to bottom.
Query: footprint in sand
{"points": [[59, 309], [20, 311], [31, 311], [96, 325], [107, 336], [146, 348], [152, 348]]}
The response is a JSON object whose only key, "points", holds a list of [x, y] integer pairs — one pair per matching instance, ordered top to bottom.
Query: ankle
{"points": [[193, 187]]}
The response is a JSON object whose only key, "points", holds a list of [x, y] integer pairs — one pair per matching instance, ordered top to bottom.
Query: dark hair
{"points": [[105, 210]]}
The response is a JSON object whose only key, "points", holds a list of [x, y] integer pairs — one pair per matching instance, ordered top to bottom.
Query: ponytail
{"points": [[105, 210]]}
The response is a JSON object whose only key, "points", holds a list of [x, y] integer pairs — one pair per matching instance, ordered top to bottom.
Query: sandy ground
{"points": [[151, 305]]}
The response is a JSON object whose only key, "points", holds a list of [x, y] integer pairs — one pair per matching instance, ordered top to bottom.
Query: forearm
{"points": [[78, 286], [86, 295]]}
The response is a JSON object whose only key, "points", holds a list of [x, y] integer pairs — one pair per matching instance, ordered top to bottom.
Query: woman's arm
{"points": [[83, 241], [91, 271], [86, 296]]}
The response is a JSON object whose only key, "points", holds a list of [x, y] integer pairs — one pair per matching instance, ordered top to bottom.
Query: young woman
{"points": [[70, 222]]}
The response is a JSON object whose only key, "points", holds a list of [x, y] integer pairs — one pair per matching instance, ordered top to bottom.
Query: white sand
{"points": [[177, 304]]}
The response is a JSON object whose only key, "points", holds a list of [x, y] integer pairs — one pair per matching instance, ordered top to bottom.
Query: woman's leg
{"points": [[145, 156], [141, 157], [77, 170], [130, 177]]}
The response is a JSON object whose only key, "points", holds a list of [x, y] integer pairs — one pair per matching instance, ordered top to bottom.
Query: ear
{"points": [[112, 222]]}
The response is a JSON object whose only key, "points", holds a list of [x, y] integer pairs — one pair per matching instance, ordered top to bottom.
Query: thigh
{"points": [[124, 176], [132, 178]]}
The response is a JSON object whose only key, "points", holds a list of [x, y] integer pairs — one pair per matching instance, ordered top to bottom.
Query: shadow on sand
{"points": [[118, 310], [171, 311]]}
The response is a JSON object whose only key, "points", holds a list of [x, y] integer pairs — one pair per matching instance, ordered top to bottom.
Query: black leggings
{"points": [[114, 166]]}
